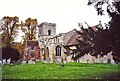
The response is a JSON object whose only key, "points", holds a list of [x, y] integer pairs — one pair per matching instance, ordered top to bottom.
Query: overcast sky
{"points": [[65, 13]]}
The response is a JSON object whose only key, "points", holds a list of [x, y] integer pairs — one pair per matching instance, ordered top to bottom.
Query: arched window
{"points": [[49, 32], [58, 50]]}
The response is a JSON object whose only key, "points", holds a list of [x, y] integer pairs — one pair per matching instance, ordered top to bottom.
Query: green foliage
{"points": [[29, 28], [9, 29], [110, 36], [55, 71]]}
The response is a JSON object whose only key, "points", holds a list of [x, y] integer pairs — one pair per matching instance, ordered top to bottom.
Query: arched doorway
{"points": [[58, 50], [47, 52], [43, 53]]}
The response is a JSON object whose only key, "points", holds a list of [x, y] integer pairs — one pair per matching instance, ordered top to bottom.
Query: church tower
{"points": [[46, 31]]}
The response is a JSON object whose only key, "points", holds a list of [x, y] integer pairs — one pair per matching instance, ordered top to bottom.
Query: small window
{"points": [[49, 32]]}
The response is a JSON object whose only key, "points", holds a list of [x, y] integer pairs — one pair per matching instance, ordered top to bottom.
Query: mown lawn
{"points": [[55, 71]]}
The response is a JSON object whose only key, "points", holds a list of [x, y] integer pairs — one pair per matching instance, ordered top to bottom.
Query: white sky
{"points": [[65, 13]]}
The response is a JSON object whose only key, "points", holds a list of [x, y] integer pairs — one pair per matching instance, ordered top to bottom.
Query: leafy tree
{"points": [[98, 5], [29, 27], [115, 28], [9, 29], [113, 35], [102, 40], [105, 40], [90, 42]]}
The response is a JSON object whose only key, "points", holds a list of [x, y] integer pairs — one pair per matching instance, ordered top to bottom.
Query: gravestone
{"points": [[69, 58], [89, 58], [85, 59], [93, 59], [98, 59], [37, 60], [59, 60], [105, 60], [4, 61], [8, 61], [30, 61], [24, 62], [33, 62], [112, 62]]}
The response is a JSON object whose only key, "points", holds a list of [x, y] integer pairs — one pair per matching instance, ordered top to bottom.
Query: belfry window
{"points": [[49, 32]]}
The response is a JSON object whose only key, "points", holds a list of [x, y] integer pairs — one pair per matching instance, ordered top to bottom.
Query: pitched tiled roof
{"points": [[67, 36], [70, 37], [72, 40]]}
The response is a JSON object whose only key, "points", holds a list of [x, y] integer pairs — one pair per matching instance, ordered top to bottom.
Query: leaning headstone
{"points": [[109, 55], [112, 61]]}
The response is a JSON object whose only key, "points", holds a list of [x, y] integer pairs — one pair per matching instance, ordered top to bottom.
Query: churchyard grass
{"points": [[56, 71]]}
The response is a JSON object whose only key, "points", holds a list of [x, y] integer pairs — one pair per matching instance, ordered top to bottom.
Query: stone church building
{"points": [[50, 43], [54, 47]]}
